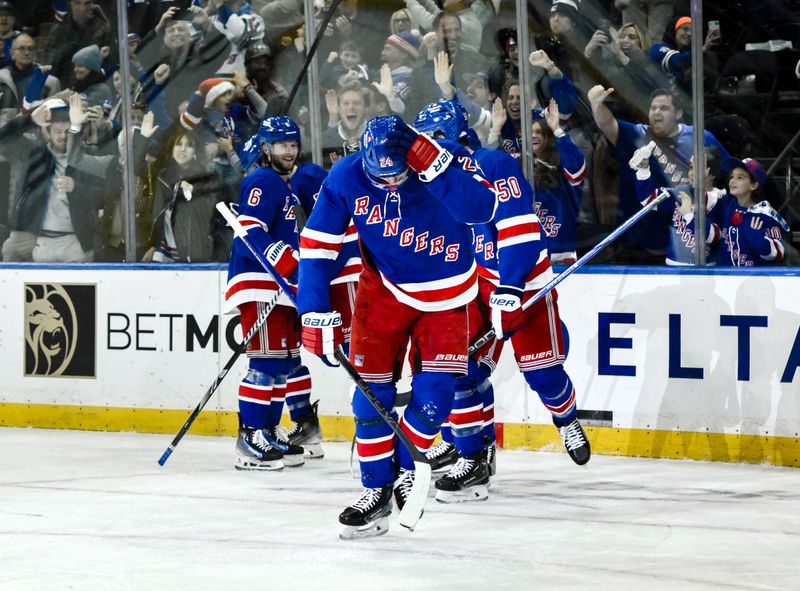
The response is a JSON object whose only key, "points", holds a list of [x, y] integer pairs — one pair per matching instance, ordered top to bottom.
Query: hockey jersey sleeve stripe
{"points": [[576, 178], [249, 222], [317, 236], [776, 251], [349, 272]]}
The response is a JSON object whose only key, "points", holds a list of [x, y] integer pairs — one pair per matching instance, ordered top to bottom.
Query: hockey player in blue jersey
{"points": [[271, 198], [411, 206], [511, 252]]}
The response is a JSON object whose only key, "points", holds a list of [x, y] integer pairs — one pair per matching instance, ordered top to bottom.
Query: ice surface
{"points": [[81, 510]]}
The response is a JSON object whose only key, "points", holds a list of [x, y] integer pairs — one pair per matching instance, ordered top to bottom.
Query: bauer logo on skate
{"points": [[60, 331]]}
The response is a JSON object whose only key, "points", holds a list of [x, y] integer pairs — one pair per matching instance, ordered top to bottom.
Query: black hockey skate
{"points": [[306, 432], [575, 441], [254, 452], [292, 454], [441, 456], [491, 458], [466, 481], [402, 487], [368, 516]]}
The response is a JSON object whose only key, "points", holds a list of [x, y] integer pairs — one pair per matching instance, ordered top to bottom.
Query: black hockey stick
{"points": [[311, 51], [548, 287], [213, 388], [412, 510]]}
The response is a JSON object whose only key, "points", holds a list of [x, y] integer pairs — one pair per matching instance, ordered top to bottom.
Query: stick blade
{"points": [[415, 504]]}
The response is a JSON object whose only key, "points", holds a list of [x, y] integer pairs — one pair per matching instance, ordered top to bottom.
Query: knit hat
{"points": [[570, 8], [684, 20], [406, 41], [89, 57], [213, 88]]}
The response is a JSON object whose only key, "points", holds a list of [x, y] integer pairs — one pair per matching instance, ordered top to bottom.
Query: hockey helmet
{"points": [[446, 117], [278, 129], [376, 156]]}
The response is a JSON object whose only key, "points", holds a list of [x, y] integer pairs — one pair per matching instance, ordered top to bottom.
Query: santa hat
{"points": [[406, 41], [213, 88]]}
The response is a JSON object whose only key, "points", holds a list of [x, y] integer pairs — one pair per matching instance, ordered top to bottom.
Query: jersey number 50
{"points": [[507, 188]]}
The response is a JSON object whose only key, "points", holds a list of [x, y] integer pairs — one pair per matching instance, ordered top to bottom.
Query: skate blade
{"points": [[313, 451], [293, 461], [249, 464], [472, 494], [373, 529]]}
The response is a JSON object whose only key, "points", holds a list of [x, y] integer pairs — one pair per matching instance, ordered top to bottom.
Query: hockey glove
{"points": [[422, 154], [283, 258], [507, 313], [322, 332]]}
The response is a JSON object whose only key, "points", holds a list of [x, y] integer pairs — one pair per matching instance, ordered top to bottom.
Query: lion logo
{"points": [[51, 329]]}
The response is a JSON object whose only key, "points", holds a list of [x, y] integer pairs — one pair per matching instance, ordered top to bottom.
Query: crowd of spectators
{"points": [[608, 78]]}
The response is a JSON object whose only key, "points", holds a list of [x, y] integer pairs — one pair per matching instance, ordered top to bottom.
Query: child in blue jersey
{"points": [[559, 171], [272, 197], [410, 206], [678, 212], [750, 229], [511, 252]]}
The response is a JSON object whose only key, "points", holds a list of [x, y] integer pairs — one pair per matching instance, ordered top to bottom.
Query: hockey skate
{"points": [[306, 433], [576, 442], [254, 452], [292, 454], [441, 456], [491, 458], [466, 481], [368, 517]]}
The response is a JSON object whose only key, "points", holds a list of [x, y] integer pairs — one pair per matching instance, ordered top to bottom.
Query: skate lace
{"points": [[294, 431], [281, 434], [572, 436], [259, 441], [438, 450], [461, 468], [405, 482], [367, 499]]}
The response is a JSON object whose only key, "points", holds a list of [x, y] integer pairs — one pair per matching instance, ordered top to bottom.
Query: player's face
{"points": [[629, 41], [513, 103], [663, 116], [538, 139], [183, 151], [283, 155], [393, 181], [740, 184]]}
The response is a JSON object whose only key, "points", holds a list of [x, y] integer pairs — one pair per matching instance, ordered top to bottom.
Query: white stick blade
{"points": [[412, 510]]}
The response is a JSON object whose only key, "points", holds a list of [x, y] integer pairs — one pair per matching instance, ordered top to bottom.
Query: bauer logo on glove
{"points": [[322, 333]]}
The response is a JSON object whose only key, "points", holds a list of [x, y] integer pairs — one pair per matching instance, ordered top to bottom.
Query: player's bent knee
{"points": [[547, 381], [385, 393]]}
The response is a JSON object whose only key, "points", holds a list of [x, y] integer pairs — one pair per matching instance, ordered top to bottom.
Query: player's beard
{"points": [[281, 166]]}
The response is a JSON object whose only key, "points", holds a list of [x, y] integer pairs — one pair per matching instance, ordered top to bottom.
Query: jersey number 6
{"points": [[254, 197]]}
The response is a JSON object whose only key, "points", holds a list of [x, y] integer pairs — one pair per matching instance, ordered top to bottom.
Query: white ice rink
{"points": [[87, 510]]}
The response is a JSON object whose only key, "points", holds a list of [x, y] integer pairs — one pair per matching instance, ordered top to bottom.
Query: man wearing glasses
{"points": [[85, 25], [24, 83]]}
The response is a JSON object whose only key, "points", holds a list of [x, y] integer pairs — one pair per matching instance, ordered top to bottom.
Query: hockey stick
{"points": [[311, 51], [548, 287], [213, 388], [412, 510]]}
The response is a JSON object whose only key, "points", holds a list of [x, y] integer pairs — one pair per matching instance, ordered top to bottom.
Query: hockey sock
{"points": [[482, 374], [555, 390], [298, 393], [255, 396], [431, 403], [466, 419], [447, 432], [374, 438]]}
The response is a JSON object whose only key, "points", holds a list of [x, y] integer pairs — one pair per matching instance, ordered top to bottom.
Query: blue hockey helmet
{"points": [[446, 117], [278, 129], [250, 152], [376, 156]]}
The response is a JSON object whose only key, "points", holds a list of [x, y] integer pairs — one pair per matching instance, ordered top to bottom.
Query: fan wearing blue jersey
{"points": [[410, 206], [268, 209], [513, 263]]}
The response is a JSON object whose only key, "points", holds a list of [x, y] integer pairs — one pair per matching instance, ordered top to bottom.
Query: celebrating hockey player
{"points": [[272, 197], [410, 205], [511, 253]]}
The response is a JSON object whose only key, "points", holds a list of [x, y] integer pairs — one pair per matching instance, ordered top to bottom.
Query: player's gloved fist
{"points": [[422, 154], [283, 258], [507, 313], [322, 333]]}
